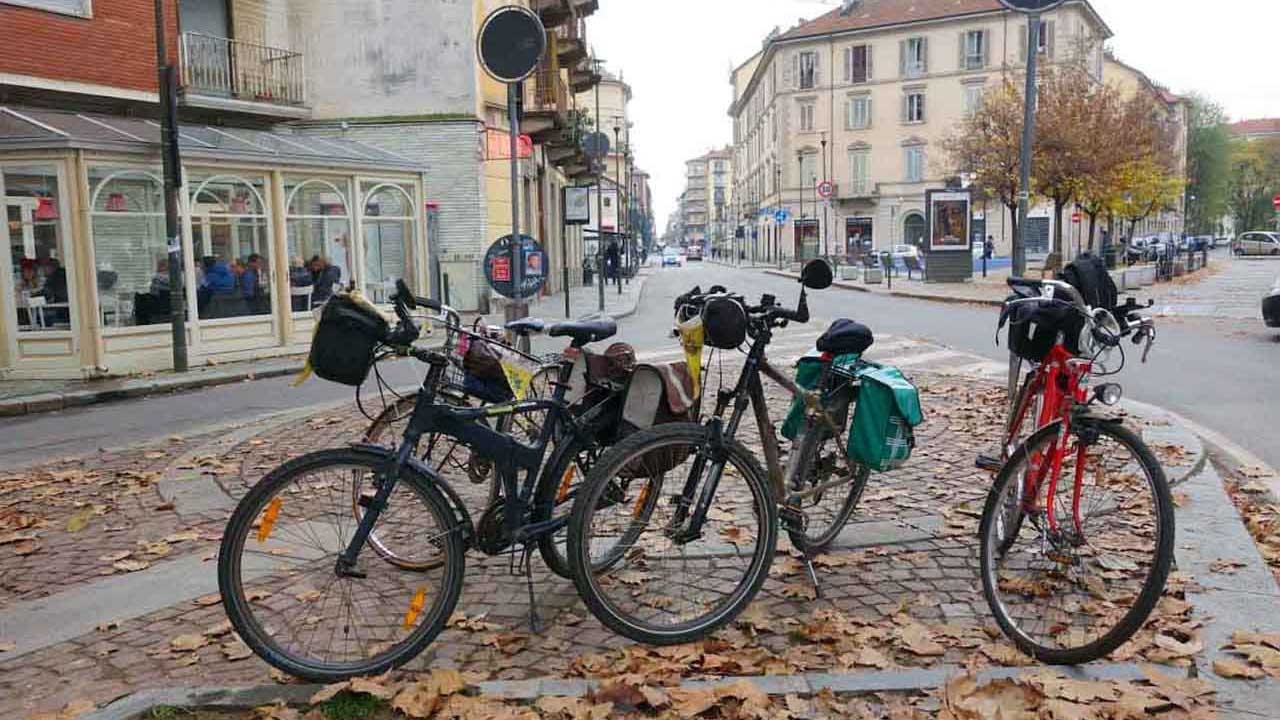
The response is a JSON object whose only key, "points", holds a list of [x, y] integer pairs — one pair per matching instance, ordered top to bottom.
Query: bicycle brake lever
{"points": [[1151, 340]]}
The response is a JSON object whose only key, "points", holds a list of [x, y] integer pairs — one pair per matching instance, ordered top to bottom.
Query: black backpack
{"points": [[1088, 274]]}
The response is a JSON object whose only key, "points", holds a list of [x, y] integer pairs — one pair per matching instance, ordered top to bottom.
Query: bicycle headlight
{"points": [[1108, 393]]}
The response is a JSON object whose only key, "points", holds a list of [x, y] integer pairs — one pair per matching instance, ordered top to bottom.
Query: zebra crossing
{"points": [[904, 352]]}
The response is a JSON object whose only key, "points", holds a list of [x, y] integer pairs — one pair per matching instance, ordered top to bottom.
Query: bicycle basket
{"points": [[1034, 328], [349, 331], [808, 373], [657, 395]]}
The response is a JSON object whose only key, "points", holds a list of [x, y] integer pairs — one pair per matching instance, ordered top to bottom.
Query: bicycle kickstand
{"points": [[526, 560], [813, 577]]}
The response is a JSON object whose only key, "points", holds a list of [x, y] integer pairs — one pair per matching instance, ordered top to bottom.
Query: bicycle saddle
{"points": [[526, 326], [586, 331], [846, 337]]}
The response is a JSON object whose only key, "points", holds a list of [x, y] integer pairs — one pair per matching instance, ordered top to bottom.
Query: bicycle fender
{"points": [[461, 518]]}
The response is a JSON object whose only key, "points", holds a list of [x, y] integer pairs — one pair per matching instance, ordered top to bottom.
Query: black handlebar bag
{"points": [[348, 334]]}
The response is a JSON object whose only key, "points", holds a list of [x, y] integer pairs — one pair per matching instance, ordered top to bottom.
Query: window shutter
{"points": [[1049, 44], [1022, 46], [963, 48], [986, 48], [869, 55], [924, 55], [902, 58], [848, 65], [817, 69], [906, 108]]}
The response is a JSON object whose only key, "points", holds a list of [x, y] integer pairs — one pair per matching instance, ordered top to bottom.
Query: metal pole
{"points": [[1028, 137], [172, 160], [617, 174], [599, 205], [826, 205], [801, 226], [517, 308]]}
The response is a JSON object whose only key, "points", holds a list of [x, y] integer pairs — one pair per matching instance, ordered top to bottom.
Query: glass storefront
{"points": [[34, 210], [127, 228], [388, 228], [229, 237], [319, 239]]}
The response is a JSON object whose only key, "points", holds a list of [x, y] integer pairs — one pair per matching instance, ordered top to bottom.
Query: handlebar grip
{"points": [[428, 303]]}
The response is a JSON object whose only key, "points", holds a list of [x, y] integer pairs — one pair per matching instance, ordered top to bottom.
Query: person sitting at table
{"points": [[218, 276], [299, 277], [325, 277], [160, 280], [251, 285], [25, 286], [55, 292]]}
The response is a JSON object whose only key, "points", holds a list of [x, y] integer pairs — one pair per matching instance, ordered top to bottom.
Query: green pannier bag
{"points": [[808, 373], [882, 436]]}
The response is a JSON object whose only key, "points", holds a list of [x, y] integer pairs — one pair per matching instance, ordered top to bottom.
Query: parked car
{"points": [[1220, 241], [1199, 243], [1257, 243], [901, 252], [694, 253], [671, 257], [1271, 306]]}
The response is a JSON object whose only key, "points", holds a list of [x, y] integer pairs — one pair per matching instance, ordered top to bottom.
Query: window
{"points": [[79, 8], [1045, 40], [974, 50], [915, 57], [857, 64], [808, 69], [973, 97], [913, 109], [807, 111], [859, 117], [915, 164], [860, 171], [34, 211], [318, 224], [127, 226], [389, 229], [229, 238]]}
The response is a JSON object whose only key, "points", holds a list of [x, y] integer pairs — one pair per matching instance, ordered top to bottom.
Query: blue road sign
{"points": [[782, 215]]}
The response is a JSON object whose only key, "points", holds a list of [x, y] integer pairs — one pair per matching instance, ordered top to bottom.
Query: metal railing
{"points": [[243, 70], [548, 91]]}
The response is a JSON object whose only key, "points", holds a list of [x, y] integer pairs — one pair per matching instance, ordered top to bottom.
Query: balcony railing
{"points": [[223, 67], [547, 92]]}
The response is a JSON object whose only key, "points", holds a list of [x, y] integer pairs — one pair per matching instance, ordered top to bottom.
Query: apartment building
{"points": [[404, 75], [863, 97], [605, 107], [1256, 129], [708, 201], [84, 284]]}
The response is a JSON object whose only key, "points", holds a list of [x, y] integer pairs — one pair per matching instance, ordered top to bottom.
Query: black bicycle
{"points": [[674, 531], [296, 570]]}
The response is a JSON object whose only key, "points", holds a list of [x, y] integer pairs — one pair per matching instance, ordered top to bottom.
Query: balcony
{"points": [[571, 43], [236, 76], [546, 104]]}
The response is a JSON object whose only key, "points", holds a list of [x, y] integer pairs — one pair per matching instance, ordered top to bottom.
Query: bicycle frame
{"points": [[1059, 381], [750, 390], [511, 456]]}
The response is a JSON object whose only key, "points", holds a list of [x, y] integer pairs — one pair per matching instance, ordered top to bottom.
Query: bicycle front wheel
{"points": [[639, 566], [280, 587], [1073, 590]]}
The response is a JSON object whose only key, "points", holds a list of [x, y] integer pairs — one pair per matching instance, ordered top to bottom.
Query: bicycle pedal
{"points": [[989, 463], [793, 518]]}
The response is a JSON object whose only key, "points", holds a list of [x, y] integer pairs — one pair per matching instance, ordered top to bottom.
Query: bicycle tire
{"points": [[807, 461], [614, 463], [1152, 588], [238, 604]]}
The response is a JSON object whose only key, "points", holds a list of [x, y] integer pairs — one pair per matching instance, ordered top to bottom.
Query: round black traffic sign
{"points": [[1031, 6], [512, 41], [500, 265]]}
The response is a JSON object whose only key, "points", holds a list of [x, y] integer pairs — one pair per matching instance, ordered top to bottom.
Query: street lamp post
{"points": [[1032, 9], [826, 205], [799, 224], [777, 230]]}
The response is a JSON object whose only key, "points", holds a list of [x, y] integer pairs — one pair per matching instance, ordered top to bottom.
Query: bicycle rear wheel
{"points": [[821, 461], [277, 569], [636, 571], [1075, 593]]}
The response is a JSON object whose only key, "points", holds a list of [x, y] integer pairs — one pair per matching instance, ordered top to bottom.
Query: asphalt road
{"points": [[1220, 373]]}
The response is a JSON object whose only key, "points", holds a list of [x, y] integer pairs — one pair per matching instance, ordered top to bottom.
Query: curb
{"points": [[846, 285], [53, 402], [899, 680]]}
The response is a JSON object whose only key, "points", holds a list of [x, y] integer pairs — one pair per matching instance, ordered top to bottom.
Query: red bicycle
{"points": [[1077, 532]]}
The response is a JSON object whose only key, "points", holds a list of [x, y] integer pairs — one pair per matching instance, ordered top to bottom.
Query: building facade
{"points": [[862, 98], [707, 206], [270, 222]]}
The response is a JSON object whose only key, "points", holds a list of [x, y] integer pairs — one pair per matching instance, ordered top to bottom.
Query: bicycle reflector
{"points": [[1108, 393], [269, 519]]}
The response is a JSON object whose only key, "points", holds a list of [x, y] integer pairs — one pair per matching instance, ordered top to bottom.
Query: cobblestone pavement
{"points": [[1232, 289], [907, 560]]}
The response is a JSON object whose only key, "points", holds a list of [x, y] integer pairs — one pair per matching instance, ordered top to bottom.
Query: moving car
{"points": [[1257, 243], [901, 252], [694, 253], [671, 256], [1271, 306]]}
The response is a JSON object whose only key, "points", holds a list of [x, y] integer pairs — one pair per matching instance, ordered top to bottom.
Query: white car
{"points": [[901, 252]]}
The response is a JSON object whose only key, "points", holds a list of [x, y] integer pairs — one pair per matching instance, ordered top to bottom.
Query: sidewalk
{"points": [[990, 290], [28, 397], [124, 599]]}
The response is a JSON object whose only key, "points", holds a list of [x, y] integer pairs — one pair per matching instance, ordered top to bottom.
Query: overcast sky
{"points": [[677, 54]]}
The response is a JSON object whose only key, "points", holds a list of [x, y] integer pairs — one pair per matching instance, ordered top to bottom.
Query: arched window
{"points": [[127, 226], [913, 229], [389, 230], [229, 238], [319, 239]]}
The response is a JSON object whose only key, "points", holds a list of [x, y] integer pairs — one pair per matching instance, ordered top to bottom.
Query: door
{"points": [[206, 46], [858, 237]]}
